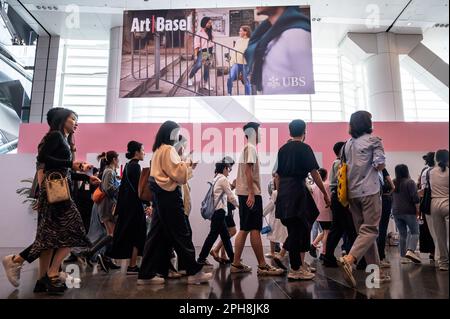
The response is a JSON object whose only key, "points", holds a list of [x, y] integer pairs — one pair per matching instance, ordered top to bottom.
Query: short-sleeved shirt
{"points": [[363, 155], [249, 156], [295, 159]]}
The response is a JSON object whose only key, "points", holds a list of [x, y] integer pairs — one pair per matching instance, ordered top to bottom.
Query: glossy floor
{"points": [[408, 281]]}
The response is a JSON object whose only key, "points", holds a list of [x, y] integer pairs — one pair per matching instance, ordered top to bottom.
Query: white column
{"points": [[379, 54], [44, 79], [384, 82], [117, 109]]}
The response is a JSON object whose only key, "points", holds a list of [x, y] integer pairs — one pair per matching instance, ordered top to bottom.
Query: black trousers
{"points": [[342, 224], [383, 226], [218, 228], [168, 229], [298, 240], [25, 254], [181, 262]]}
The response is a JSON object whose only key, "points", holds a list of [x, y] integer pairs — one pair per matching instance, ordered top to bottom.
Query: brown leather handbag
{"points": [[57, 188], [144, 192]]}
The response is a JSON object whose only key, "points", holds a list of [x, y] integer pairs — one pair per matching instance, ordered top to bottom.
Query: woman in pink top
{"points": [[203, 50], [325, 217]]}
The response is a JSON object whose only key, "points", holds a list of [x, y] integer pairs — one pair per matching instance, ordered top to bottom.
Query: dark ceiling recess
{"points": [[399, 15], [24, 31]]}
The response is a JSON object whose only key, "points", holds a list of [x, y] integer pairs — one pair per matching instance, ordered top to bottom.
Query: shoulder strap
{"points": [[343, 157], [128, 180], [221, 195]]}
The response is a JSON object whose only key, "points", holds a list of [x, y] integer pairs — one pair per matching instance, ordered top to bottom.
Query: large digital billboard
{"points": [[217, 52]]}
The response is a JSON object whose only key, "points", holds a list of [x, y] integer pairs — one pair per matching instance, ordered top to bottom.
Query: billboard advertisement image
{"points": [[217, 52]]}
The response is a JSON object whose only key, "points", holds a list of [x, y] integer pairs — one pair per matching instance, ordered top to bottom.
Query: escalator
{"points": [[16, 77]]}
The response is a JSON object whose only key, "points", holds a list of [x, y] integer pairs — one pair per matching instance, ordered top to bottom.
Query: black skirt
{"points": [[295, 200], [59, 225]]}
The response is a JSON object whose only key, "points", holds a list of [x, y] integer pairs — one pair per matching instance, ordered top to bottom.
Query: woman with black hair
{"points": [[203, 51], [365, 158], [222, 194], [439, 205], [405, 209], [102, 220], [60, 226], [131, 227], [168, 228], [427, 236]]}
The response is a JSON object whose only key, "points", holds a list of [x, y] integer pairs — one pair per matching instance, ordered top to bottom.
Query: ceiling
{"points": [[337, 18]]}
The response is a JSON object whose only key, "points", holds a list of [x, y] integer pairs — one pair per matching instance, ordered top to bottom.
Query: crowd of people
{"points": [[305, 213]]}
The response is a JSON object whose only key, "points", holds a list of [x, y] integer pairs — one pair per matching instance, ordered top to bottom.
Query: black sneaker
{"points": [[313, 251], [102, 264], [110, 264], [133, 270], [40, 286], [53, 286]]}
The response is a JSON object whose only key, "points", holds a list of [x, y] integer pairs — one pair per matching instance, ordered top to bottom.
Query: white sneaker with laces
{"points": [[191, 82], [413, 257], [310, 268], [12, 270], [268, 270], [300, 275], [199, 278], [154, 281]]}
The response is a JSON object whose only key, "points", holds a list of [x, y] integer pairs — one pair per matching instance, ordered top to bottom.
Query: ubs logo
{"points": [[159, 24], [287, 81]]}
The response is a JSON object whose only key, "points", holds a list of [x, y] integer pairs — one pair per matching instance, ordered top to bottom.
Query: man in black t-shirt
{"points": [[295, 206]]}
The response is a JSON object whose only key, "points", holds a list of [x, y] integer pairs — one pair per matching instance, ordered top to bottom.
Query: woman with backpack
{"points": [[222, 193]]}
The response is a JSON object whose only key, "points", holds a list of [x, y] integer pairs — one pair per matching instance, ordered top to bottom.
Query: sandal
{"points": [[216, 257]]}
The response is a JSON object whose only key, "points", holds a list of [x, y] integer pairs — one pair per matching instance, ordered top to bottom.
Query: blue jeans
{"points": [[198, 65], [233, 76], [408, 228]]}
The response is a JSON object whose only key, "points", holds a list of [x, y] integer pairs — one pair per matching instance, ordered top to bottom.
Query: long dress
{"points": [[60, 225], [131, 226]]}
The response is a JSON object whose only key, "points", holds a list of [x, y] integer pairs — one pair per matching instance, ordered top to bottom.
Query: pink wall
{"points": [[93, 138]]}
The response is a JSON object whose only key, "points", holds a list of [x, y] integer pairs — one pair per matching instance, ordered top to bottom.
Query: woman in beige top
{"points": [[239, 65], [168, 172], [439, 205]]}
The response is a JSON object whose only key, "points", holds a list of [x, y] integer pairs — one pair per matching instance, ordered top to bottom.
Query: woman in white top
{"points": [[203, 50], [239, 65], [222, 195], [439, 205]]}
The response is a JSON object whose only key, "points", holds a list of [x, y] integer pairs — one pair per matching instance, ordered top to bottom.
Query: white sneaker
{"points": [[191, 82], [208, 87], [413, 257], [405, 260], [385, 264], [443, 267], [242, 268], [310, 268], [12, 270], [268, 270], [300, 275], [199, 278], [382, 279], [154, 281]]}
